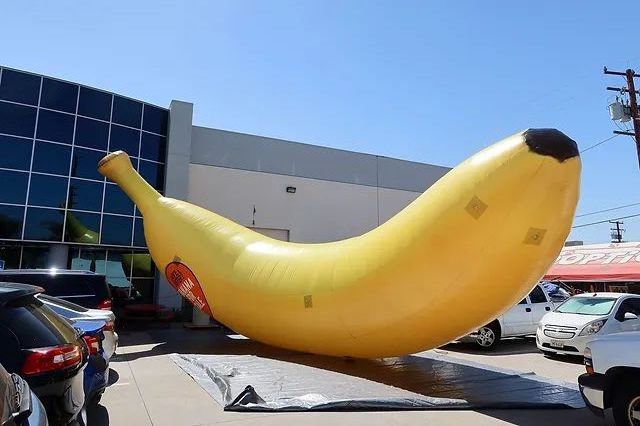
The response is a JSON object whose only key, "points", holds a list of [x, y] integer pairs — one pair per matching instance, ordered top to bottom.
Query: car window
{"points": [[555, 292], [537, 295], [523, 301], [62, 303], [635, 304], [631, 305], [587, 306], [35, 325]]}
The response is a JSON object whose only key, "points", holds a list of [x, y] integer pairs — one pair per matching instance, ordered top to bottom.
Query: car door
{"points": [[540, 305], [629, 305], [516, 320]]}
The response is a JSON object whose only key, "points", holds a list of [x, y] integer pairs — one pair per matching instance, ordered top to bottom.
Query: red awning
{"points": [[597, 262]]}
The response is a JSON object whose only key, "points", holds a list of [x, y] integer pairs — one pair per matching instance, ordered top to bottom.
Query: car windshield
{"points": [[587, 306]]}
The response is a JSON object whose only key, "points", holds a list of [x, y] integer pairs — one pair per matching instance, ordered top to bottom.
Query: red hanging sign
{"points": [[182, 279]]}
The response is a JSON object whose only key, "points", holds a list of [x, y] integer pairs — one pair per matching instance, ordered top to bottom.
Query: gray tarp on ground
{"points": [[430, 380]]}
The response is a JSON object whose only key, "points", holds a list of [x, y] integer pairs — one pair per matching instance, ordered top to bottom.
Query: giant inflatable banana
{"points": [[463, 252]]}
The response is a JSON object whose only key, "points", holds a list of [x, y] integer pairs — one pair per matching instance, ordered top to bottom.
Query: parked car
{"points": [[85, 288], [72, 311], [585, 316], [522, 319], [44, 349], [96, 371], [612, 379], [19, 406]]}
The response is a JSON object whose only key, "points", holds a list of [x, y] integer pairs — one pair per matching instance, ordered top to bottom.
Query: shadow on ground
{"points": [[510, 346], [410, 373], [113, 377], [97, 415]]}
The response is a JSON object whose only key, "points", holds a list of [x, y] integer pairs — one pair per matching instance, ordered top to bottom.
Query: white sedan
{"points": [[580, 319]]}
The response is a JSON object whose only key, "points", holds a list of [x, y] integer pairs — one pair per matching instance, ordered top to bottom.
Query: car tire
{"points": [[488, 336], [626, 400]]}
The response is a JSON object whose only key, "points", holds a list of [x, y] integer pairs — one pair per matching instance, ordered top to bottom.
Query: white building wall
{"points": [[394, 200], [318, 211]]}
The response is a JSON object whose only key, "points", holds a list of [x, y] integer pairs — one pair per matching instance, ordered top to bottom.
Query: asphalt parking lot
{"points": [[148, 388]]}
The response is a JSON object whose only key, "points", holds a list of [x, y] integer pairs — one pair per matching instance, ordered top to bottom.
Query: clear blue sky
{"points": [[414, 80]]}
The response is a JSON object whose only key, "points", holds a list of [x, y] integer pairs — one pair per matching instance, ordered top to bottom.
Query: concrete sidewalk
{"points": [[149, 389]]}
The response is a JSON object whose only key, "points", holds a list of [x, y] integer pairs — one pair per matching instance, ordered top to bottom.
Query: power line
{"points": [[631, 104], [599, 143], [608, 210], [605, 221]]}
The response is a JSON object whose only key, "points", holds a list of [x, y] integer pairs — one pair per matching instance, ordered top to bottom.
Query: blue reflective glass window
{"points": [[19, 87], [59, 95], [94, 103], [127, 112], [155, 119], [17, 120], [55, 126], [92, 133], [124, 139], [153, 147], [15, 153], [51, 158], [85, 164], [152, 173], [14, 187], [47, 191], [85, 195], [116, 201], [11, 222], [43, 224], [82, 227], [116, 230], [138, 234], [9, 253], [35, 257], [143, 265], [145, 287]]}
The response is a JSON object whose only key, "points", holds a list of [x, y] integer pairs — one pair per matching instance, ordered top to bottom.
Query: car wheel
{"points": [[488, 336], [626, 404]]}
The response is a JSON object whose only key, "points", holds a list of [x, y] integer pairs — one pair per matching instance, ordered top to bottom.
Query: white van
{"points": [[522, 319]]}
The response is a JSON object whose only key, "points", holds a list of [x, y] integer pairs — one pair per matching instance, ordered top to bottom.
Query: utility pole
{"points": [[629, 74], [616, 233]]}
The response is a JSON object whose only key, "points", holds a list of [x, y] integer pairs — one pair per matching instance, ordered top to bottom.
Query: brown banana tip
{"points": [[111, 156]]}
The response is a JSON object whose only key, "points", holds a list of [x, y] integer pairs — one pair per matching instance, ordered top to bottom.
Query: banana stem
{"points": [[117, 167]]}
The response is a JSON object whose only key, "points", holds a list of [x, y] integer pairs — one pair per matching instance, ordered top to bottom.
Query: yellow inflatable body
{"points": [[462, 253]]}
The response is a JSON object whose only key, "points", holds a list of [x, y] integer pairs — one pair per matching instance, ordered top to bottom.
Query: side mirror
{"points": [[630, 316]]}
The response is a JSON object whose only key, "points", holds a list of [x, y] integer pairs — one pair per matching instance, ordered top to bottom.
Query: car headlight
{"points": [[592, 328]]}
